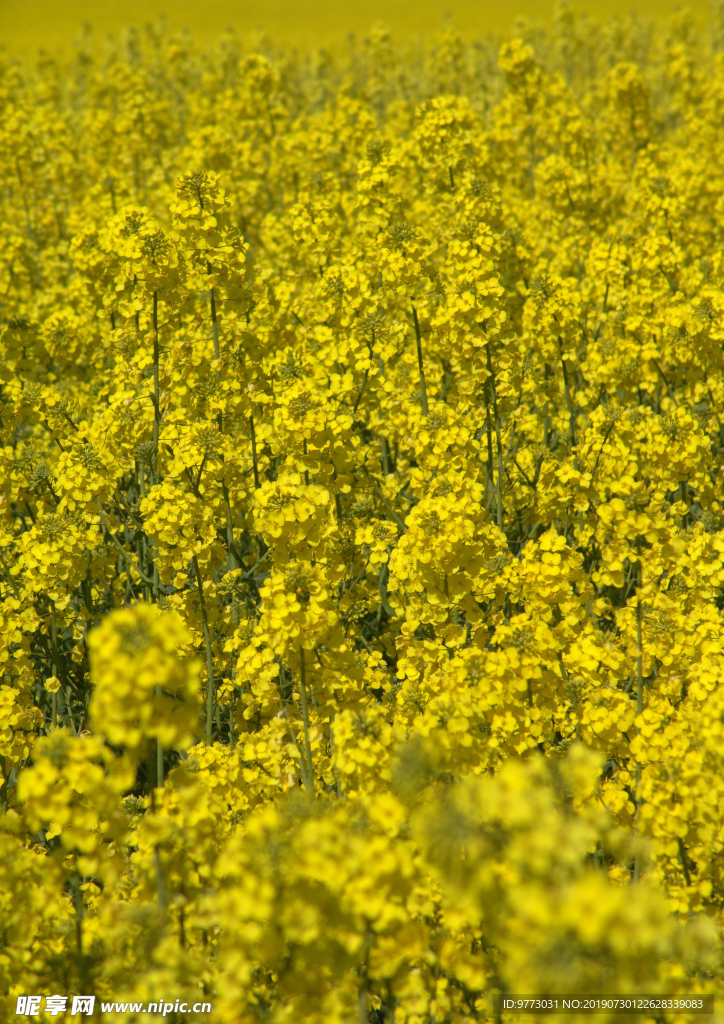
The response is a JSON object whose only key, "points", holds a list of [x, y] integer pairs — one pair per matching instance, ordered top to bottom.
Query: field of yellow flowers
{"points": [[362, 534]]}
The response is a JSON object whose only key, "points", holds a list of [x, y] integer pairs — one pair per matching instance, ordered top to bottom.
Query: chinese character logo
{"points": [[83, 1004], [55, 1005], [28, 1006]]}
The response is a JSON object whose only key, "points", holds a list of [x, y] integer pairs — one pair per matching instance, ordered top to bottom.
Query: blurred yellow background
{"points": [[29, 24]]}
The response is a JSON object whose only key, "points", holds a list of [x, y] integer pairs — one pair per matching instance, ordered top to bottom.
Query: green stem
{"points": [[214, 321], [421, 368], [156, 389], [569, 401], [499, 443], [385, 448], [253, 450], [490, 482], [142, 550], [231, 559], [129, 561], [6, 574], [54, 658], [209, 659], [639, 661], [639, 707], [69, 712], [305, 718], [232, 739], [338, 786]]}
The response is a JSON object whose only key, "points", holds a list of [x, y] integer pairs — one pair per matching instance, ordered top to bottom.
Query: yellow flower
{"points": [[384, 387], [144, 687]]}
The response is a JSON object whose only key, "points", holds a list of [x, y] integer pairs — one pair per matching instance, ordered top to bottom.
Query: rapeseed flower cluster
{"points": [[361, 533]]}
